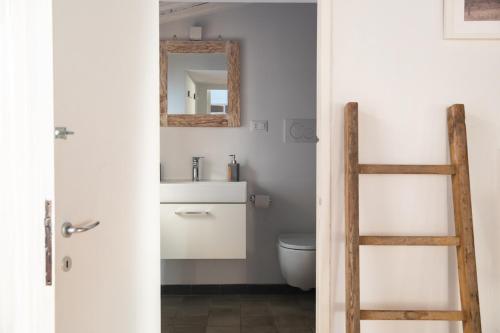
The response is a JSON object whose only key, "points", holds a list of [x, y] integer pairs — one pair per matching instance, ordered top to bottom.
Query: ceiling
{"points": [[176, 10], [171, 11], [208, 76]]}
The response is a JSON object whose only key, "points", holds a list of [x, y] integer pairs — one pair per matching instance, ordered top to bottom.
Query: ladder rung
{"points": [[406, 169], [410, 240], [411, 315]]}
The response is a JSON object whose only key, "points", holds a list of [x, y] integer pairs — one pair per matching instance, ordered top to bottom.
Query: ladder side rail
{"points": [[351, 188], [469, 295]]}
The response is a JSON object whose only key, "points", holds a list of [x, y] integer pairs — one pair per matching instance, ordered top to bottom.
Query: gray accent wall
{"points": [[278, 68]]}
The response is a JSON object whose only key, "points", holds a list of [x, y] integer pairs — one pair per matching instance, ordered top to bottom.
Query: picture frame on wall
{"points": [[472, 19]]}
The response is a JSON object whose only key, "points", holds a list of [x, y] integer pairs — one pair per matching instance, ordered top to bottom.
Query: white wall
{"points": [[278, 53], [390, 57], [189, 106], [26, 170]]}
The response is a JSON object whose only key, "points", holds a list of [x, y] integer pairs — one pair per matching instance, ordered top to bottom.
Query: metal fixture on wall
{"points": [[62, 133], [260, 200]]}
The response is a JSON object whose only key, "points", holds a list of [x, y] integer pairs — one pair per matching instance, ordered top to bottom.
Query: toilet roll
{"points": [[262, 201]]}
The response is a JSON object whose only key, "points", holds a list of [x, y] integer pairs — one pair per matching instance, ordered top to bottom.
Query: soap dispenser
{"points": [[233, 170]]}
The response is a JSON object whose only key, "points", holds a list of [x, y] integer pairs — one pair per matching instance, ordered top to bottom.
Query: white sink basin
{"points": [[176, 191]]}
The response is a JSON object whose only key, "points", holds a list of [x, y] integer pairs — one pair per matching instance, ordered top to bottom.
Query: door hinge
{"points": [[47, 223]]}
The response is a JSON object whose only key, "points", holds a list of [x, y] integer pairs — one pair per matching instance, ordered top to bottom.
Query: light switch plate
{"points": [[259, 125], [299, 130]]}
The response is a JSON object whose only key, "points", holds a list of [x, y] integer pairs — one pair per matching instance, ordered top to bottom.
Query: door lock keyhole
{"points": [[66, 264]]}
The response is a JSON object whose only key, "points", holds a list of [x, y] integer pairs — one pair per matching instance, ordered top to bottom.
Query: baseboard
{"points": [[230, 289]]}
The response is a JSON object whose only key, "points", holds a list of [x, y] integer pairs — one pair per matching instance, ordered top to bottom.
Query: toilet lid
{"points": [[303, 241]]}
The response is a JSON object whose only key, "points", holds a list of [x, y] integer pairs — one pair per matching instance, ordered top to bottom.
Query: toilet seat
{"points": [[299, 241]]}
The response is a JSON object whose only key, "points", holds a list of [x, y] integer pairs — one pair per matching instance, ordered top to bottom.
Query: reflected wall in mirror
{"points": [[199, 84]]}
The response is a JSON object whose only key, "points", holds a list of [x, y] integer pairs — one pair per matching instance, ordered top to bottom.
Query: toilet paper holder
{"points": [[251, 198]]}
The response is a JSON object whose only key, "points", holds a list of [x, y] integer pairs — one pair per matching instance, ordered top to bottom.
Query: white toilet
{"points": [[297, 256]]}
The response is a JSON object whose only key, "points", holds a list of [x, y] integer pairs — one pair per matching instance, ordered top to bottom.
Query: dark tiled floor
{"points": [[238, 314]]}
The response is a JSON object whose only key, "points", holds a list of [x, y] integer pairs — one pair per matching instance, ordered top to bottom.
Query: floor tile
{"points": [[254, 298], [283, 299], [171, 300], [196, 300], [225, 301], [306, 302], [255, 309], [286, 309], [192, 310], [169, 312], [249, 313], [310, 315], [224, 317], [190, 320], [293, 320], [257, 321], [167, 323], [194, 329], [222, 329], [267, 329], [294, 330]]}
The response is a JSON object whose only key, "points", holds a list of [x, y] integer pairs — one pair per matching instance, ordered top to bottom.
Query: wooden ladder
{"points": [[463, 239]]}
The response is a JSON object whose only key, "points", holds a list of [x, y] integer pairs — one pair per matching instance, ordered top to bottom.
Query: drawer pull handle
{"points": [[192, 212]]}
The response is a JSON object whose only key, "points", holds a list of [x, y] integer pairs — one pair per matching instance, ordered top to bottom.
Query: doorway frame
{"points": [[325, 182]]}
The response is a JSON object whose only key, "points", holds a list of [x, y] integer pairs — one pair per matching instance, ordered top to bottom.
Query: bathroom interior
{"points": [[238, 167]]}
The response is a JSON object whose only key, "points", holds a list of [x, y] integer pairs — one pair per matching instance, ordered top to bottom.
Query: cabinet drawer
{"points": [[203, 231]]}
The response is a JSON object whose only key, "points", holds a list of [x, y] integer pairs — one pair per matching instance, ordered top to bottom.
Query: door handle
{"points": [[68, 229]]}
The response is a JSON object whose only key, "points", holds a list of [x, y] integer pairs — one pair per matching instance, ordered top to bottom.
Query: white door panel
{"points": [[106, 91], [26, 167]]}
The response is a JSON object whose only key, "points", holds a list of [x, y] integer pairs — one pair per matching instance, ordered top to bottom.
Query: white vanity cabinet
{"points": [[203, 230]]}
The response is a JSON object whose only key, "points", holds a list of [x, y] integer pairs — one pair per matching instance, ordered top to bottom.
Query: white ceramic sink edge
{"points": [[209, 191]]}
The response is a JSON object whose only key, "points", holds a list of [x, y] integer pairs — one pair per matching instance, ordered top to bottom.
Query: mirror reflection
{"points": [[197, 83]]}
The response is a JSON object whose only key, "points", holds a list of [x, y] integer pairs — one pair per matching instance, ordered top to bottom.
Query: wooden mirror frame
{"points": [[232, 51]]}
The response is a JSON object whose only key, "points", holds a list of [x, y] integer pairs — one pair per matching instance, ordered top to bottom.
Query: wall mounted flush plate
{"points": [[299, 130]]}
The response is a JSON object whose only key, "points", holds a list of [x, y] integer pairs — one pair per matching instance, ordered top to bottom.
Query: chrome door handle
{"points": [[68, 229]]}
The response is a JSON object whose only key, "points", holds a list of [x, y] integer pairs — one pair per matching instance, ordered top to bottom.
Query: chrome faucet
{"points": [[196, 168]]}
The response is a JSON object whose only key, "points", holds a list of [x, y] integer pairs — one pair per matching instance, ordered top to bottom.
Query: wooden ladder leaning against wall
{"points": [[463, 239]]}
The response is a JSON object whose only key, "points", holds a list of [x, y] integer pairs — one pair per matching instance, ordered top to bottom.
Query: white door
{"points": [[106, 91], [26, 165]]}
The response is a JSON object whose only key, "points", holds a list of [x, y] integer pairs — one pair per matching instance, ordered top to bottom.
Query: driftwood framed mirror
{"points": [[199, 83]]}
